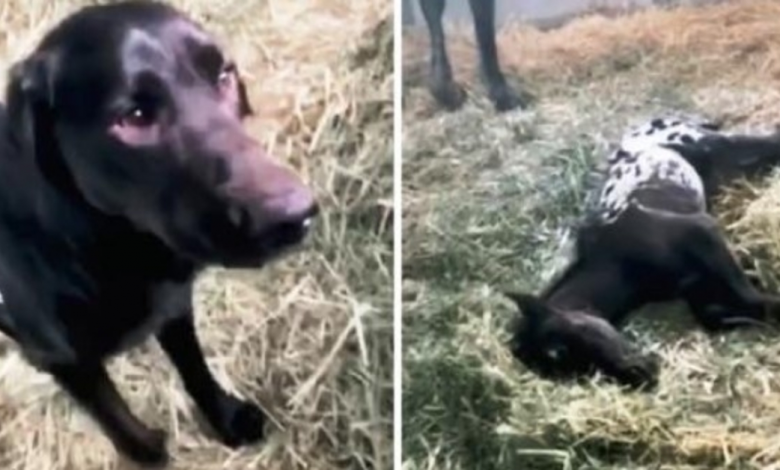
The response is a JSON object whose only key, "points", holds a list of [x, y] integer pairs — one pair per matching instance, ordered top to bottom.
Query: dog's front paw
{"points": [[241, 423], [148, 450]]}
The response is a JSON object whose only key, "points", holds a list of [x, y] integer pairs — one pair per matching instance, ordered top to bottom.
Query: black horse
{"points": [[448, 93]]}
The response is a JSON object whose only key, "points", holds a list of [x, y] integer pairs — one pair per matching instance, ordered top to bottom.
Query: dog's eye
{"points": [[225, 76], [139, 116], [138, 122]]}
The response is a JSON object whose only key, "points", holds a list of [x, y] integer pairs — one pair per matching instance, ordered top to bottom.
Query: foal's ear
{"points": [[531, 306]]}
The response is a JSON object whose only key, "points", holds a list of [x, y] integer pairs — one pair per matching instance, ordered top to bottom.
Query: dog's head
{"points": [[133, 109], [575, 344]]}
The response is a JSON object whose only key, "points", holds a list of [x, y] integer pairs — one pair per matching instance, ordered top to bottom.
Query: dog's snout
{"points": [[282, 197], [270, 202], [296, 204]]}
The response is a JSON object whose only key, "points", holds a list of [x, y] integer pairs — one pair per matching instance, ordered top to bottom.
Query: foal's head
{"points": [[569, 344]]}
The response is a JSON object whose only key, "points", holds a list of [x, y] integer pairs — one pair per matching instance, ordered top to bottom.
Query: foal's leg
{"points": [[442, 85], [502, 95], [720, 159], [722, 296]]}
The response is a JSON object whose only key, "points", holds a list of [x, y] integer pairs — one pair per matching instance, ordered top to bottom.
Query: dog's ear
{"points": [[29, 99], [531, 306]]}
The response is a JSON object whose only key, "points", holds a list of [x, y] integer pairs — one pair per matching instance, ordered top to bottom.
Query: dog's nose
{"points": [[272, 194], [296, 205]]}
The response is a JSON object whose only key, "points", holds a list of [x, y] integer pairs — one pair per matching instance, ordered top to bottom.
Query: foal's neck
{"points": [[597, 287]]}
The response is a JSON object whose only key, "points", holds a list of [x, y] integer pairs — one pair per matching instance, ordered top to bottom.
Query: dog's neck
{"points": [[40, 208], [93, 236]]}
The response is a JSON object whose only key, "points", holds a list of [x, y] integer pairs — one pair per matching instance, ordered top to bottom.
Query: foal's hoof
{"points": [[448, 94], [504, 98], [642, 373], [242, 423], [150, 451]]}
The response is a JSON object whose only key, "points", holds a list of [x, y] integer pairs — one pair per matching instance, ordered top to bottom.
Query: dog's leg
{"points": [[442, 85], [501, 94], [722, 297], [91, 386], [236, 422]]}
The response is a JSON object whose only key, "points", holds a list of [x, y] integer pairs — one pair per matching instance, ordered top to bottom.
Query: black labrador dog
{"points": [[443, 87], [124, 171], [650, 239]]}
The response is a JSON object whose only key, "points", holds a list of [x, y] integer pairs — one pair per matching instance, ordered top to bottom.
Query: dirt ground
{"points": [[488, 200], [309, 338]]}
